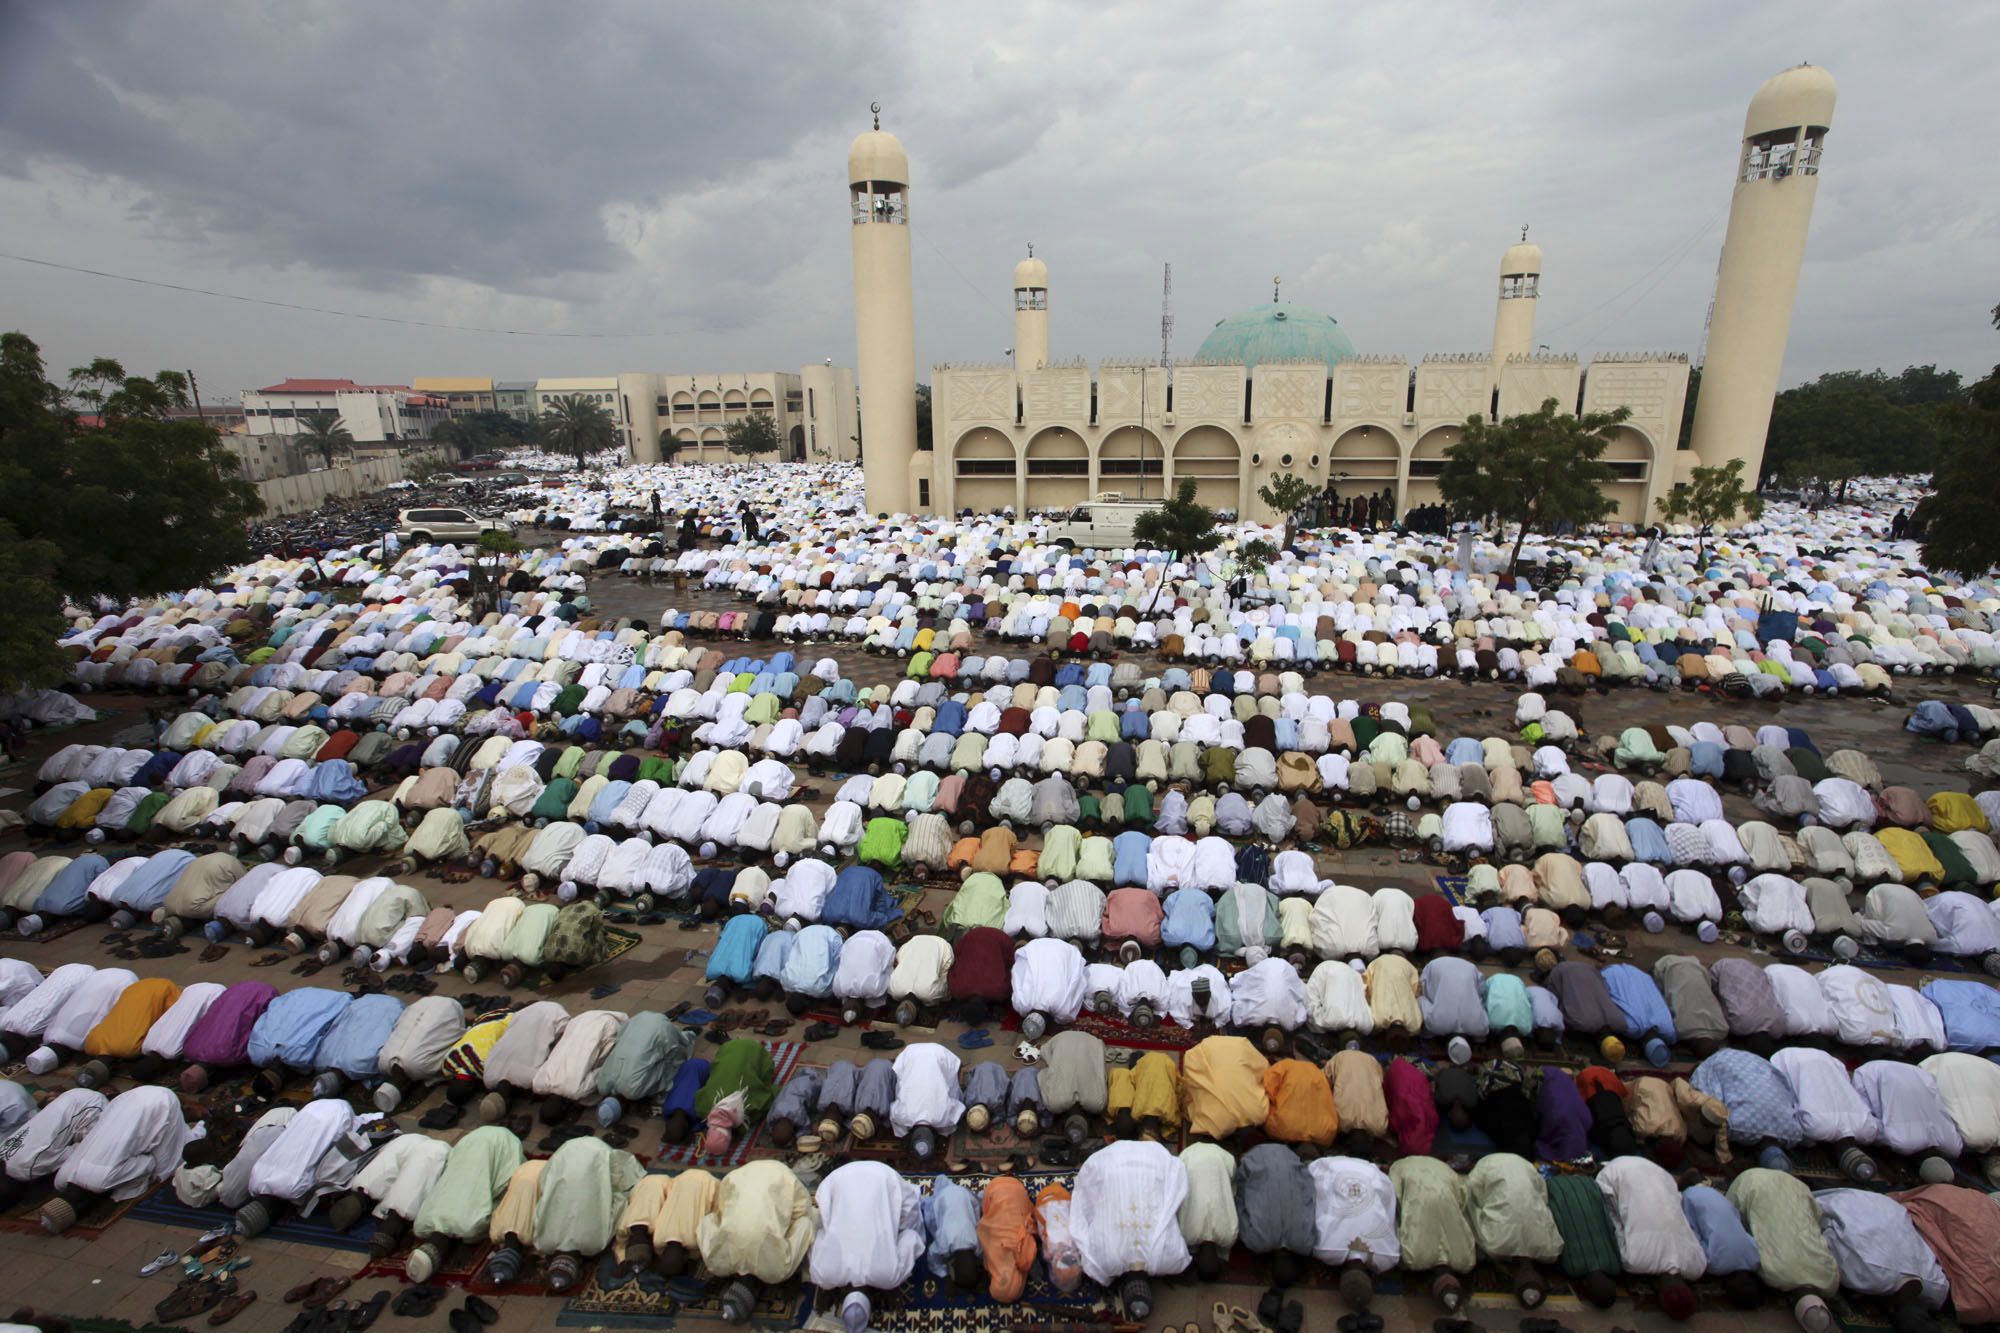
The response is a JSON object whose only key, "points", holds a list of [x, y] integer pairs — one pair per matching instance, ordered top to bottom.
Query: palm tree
{"points": [[578, 426], [322, 432]]}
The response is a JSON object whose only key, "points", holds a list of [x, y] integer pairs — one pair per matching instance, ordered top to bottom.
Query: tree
{"points": [[1687, 409], [1856, 423], [578, 426], [322, 432], [754, 434], [455, 438], [670, 445], [426, 469], [1540, 470], [1286, 493], [1713, 495], [130, 504], [1957, 517], [1182, 527]]}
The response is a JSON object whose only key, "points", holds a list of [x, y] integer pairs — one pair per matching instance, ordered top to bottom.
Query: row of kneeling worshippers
{"points": [[1133, 1211]]}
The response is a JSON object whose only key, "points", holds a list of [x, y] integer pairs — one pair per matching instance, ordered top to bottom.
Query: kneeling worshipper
{"points": [[1222, 1087], [738, 1091], [1146, 1098], [927, 1101], [134, 1145], [37, 1149], [396, 1180], [583, 1193], [460, 1204], [1508, 1205], [1274, 1210], [1125, 1214], [661, 1220], [1208, 1221], [1354, 1223], [1962, 1227], [871, 1228], [1432, 1229], [760, 1230], [951, 1233], [1007, 1237], [1654, 1238], [1590, 1243], [1726, 1244], [1878, 1249], [1792, 1253]]}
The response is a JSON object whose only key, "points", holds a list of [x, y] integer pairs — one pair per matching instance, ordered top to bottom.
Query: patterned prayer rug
{"points": [[617, 943]]}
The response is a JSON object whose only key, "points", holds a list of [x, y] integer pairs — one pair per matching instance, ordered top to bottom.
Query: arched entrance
{"points": [[711, 447], [798, 450], [1211, 456], [1631, 457], [1132, 462], [1426, 462], [983, 469], [1058, 469]]}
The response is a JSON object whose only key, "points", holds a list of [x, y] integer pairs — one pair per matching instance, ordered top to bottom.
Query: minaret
{"points": [[1777, 175], [1520, 288], [1031, 313], [885, 322]]}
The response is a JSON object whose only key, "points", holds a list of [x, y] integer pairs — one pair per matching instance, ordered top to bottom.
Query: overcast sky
{"points": [[676, 173]]}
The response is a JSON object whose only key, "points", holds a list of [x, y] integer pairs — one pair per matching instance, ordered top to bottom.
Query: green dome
{"points": [[1279, 331]]}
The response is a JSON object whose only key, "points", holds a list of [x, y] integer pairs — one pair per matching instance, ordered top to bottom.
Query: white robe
{"points": [[1125, 1209], [1354, 1214], [871, 1228]]}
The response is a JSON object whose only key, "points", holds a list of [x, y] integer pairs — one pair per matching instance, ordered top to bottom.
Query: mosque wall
{"points": [[1057, 436]]}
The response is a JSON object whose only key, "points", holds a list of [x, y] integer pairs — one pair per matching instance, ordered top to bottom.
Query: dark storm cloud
{"points": [[380, 141], [677, 169]]}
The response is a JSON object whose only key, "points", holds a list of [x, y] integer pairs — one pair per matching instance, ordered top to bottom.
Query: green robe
{"points": [[742, 1062], [475, 1175]]}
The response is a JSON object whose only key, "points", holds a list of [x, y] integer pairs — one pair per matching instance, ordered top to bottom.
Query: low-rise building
{"points": [[463, 394]]}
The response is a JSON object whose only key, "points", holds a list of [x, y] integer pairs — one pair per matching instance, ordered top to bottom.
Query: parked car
{"points": [[441, 524]]}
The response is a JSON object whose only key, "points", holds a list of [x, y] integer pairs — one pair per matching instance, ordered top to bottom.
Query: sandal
{"points": [[231, 1307]]}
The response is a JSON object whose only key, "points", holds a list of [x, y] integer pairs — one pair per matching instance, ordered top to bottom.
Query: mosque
{"points": [[1281, 388]]}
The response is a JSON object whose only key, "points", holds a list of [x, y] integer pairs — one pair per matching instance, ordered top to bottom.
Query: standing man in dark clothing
{"points": [[690, 533]]}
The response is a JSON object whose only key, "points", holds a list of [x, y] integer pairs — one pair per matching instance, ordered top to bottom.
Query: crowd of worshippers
{"points": [[1138, 846], [1357, 1163]]}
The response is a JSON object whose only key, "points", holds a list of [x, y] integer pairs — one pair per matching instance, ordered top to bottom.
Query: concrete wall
{"points": [[309, 490]]}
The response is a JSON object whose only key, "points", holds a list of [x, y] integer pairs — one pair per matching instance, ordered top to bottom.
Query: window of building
{"points": [[1776, 154], [879, 201], [1519, 286], [1031, 298], [988, 467], [1058, 467], [1132, 467], [1426, 467], [1629, 471], [923, 490]]}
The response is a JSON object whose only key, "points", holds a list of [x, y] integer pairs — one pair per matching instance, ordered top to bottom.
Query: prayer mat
{"points": [[1454, 887], [55, 930], [617, 942], [1168, 1036], [784, 1059], [162, 1208], [24, 1219], [460, 1267], [605, 1301]]}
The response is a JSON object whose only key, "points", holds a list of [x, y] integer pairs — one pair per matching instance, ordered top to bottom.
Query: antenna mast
{"points": [[1167, 320]]}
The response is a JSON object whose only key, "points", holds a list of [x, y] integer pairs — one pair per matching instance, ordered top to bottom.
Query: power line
{"points": [[1673, 256], [976, 288], [341, 314]]}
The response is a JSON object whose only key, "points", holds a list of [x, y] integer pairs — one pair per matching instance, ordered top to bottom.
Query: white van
{"points": [[1100, 524]]}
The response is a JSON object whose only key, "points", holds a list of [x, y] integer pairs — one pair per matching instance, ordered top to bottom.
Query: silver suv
{"points": [[440, 524]]}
